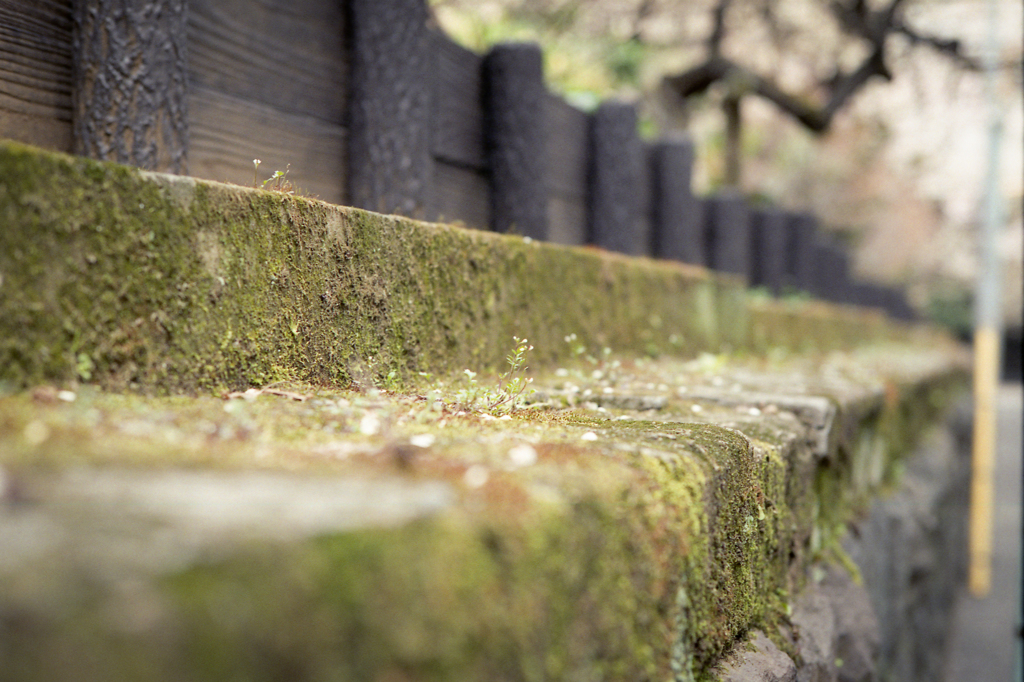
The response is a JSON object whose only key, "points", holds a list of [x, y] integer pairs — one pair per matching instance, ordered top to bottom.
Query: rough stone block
{"points": [[514, 139], [390, 162], [616, 171], [677, 218], [804, 228], [729, 234], [770, 238], [831, 271], [911, 551], [814, 619], [858, 636], [763, 662]]}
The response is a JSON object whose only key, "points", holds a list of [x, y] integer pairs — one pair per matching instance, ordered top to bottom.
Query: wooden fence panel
{"points": [[36, 73], [269, 80], [372, 106], [228, 132], [457, 134], [567, 135], [567, 139], [461, 195], [645, 199], [676, 214], [567, 220]]}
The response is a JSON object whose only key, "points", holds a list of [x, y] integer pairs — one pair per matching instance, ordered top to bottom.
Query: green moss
{"points": [[141, 281], [145, 281], [730, 505], [660, 546], [645, 554], [588, 590]]}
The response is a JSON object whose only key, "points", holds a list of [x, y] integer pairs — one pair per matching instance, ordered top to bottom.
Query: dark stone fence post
{"points": [[130, 82], [514, 95], [389, 156], [614, 202], [676, 214], [728, 230], [803, 232], [770, 240], [831, 279], [868, 295], [898, 306]]}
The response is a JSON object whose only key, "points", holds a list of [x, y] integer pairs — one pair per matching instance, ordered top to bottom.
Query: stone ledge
{"points": [[142, 281], [646, 511], [619, 542]]}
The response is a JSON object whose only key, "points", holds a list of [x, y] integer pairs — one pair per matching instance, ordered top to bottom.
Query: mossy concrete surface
{"points": [[127, 279], [232, 447], [632, 522]]}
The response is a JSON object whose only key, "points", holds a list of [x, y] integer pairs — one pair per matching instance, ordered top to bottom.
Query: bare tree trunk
{"points": [[131, 82], [733, 140]]}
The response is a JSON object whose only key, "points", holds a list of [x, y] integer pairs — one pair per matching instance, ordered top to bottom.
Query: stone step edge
{"points": [[142, 281], [591, 548]]}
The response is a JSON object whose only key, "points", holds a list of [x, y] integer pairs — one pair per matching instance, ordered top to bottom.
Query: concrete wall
{"points": [[253, 435]]}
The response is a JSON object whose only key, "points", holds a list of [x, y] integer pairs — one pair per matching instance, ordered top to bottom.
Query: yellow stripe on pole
{"points": [[986, 379]]}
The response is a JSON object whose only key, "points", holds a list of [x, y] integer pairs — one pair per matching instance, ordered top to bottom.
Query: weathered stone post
{"points": [[130, 82], [514, 139], [389, 159], [614, 203], [676, 214], [804, 228], [728, 233], [769, 247], [832, 270], [864, 294], [897, 306]]}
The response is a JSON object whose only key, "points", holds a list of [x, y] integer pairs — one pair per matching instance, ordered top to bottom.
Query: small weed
{"points": [[278, 182], [575, 346], [84, 366], [604, 367], [391, 382], [512, 384], [473, 394]]}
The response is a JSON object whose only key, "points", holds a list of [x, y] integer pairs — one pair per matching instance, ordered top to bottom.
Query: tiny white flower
{"points": [[589, 435]]}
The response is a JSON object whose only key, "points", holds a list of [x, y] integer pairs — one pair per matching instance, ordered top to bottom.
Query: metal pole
{"points": [[986, 342]]}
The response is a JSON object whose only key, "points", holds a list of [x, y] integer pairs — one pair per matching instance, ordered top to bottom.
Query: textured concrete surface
{"points": [[983, 647], [762, 662]]}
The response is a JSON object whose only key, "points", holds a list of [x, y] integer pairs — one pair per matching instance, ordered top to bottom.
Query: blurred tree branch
{"points": [[872, 28]]}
